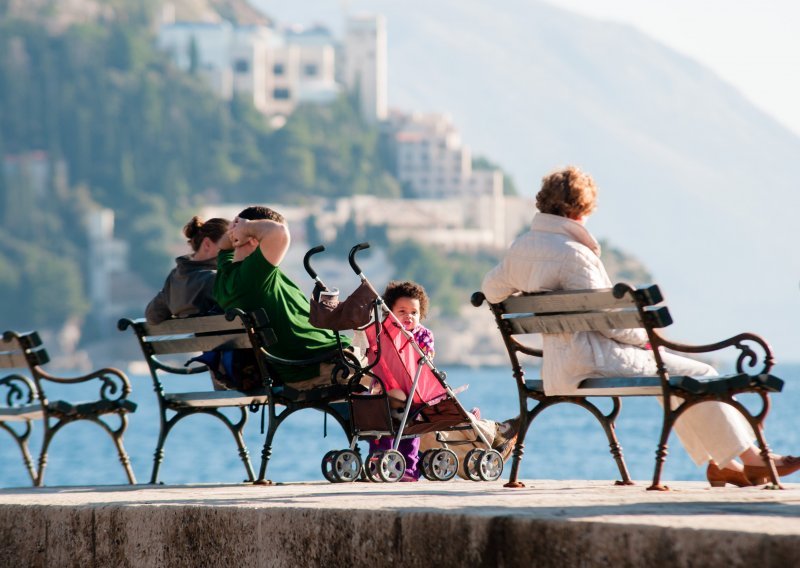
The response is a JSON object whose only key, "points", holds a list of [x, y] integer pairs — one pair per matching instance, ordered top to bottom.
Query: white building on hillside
{"points": [[230, 59], [365, 67], [301, 68], [275, 69], [432, 161]]}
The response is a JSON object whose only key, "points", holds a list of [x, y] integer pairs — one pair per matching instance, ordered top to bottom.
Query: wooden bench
{"points": [[624, 307], [168, 346], [27, 401]]}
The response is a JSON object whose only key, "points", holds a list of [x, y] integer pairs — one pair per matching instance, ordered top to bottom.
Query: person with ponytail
{"points": [[188, 290]]}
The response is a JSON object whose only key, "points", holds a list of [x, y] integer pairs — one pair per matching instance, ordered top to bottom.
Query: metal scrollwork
{"points": [[746, 343], [112, 387], [20, 390]]}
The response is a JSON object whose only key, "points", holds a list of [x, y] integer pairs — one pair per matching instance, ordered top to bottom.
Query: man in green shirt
{"points": [[249, 277]]}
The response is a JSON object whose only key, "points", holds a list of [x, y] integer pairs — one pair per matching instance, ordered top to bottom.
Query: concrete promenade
{"points": [[459, 523]]}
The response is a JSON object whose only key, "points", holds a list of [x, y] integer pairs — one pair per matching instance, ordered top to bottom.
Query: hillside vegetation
{"points": [[81, 82], [141, 138]]}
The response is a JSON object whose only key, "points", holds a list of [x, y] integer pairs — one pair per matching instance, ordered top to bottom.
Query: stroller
{"points": [[394, 361]]}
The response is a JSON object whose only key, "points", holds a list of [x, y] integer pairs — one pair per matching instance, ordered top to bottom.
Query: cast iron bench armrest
{"points": [[746, 343], [114, 384]]}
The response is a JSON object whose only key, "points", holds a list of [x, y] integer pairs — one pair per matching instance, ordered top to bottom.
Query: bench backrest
{"points": [[582, 310], [571, 311], [188, 337], [22, 351]]}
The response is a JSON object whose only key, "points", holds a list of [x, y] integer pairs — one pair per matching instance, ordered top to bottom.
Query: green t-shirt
{"points": [[255, 283]]}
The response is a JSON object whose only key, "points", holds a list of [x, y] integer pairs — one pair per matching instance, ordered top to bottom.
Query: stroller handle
{"points": [[352, 256], [307, 260]]}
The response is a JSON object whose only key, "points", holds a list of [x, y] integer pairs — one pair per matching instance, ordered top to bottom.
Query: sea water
{"points": [[565, 442]]}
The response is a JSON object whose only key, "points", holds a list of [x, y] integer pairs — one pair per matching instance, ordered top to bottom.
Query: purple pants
{"points": [[409, 447]]}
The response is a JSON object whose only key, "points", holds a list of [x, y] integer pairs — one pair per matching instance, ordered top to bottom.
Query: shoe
{"points": [[506, 431], [790, 465], [407, 477], [719, 477]]}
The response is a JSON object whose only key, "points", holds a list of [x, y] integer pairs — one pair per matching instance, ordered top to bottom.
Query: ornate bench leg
{"points": [[607, 421], [756, 422], [116, 435], [48, 437], [22, 441], [519, 448], [266, 451], [661, 453], [158, 454], [244, 454]]}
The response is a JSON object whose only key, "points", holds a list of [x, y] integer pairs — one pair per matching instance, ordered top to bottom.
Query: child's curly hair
{"points": [[568, 192], [406, 289]]}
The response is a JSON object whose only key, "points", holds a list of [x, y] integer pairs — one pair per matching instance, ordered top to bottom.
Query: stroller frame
{"points": [[438, 464]]}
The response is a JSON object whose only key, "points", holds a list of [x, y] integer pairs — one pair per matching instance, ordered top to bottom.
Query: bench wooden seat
{"points": [[624, 307], [181, 339], [25, 351]]}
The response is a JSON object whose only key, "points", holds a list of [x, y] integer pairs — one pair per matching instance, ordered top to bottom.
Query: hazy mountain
{"points": [[695, 180]]}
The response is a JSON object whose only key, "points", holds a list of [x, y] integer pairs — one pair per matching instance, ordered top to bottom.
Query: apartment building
{"points": [[364, 64], [279, 68], [432, 162]]}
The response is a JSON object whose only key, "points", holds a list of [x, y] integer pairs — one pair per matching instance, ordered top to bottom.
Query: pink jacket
{"points": [[560, 254]]}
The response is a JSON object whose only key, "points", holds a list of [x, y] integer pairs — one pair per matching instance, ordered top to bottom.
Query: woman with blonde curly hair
{"points": [[558, 253]]}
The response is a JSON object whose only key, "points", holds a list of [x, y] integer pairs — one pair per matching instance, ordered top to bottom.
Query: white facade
{"points": [[212, 46], [230, 59], [365, 64], [301, 68], [276, 69], [431, 159], [465, 223], [108, 257]]}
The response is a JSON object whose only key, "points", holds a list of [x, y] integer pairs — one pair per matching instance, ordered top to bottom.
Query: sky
{"points": [[752, 44]]}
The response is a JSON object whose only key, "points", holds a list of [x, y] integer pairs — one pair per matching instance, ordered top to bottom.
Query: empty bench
{"points": [[625, 307], [168, 348], [26, 401]]}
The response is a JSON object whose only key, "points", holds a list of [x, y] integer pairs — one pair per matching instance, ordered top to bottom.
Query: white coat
{"points": [[560, 254]]}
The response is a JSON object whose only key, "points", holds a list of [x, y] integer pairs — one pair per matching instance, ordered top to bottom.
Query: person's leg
{"points": [[326, 378], [710, 431], [409, 447]]}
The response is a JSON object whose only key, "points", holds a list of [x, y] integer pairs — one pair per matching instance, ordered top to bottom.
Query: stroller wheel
{"points": [[471, 462], [425, 464], [444, 464], [327, 465], [346, 466], [391, 466], [371, 467], [490, 467]]}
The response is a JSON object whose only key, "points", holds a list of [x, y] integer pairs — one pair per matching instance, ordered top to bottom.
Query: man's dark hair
{"points": [[260, 212]]}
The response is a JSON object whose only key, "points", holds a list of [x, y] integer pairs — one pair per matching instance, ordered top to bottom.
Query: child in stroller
{"points": [[409, 304], [396, 364]]}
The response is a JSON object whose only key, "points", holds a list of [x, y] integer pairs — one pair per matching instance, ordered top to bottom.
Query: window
{"points": [[241, 66], [278, 69], [310, 70], [281, 94]]}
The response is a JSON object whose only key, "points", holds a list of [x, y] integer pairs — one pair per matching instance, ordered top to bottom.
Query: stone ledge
{"points": [[550, 523]]}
